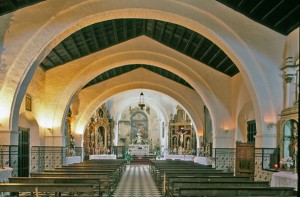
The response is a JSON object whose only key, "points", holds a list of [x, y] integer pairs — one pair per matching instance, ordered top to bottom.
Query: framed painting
{"points": [[28, 103]]}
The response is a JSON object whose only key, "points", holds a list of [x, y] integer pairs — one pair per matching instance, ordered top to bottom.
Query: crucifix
{"points": [[181, 133]]}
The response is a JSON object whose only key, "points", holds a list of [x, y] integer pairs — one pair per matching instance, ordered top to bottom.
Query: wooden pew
{"points": [[163, 179], [96, 182], [109, 182], [175, 185], [46, 187], [231, 191]]}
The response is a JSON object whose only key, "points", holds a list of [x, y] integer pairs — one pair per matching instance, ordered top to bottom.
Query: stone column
{"points": [[290, 71], [288, 79]]}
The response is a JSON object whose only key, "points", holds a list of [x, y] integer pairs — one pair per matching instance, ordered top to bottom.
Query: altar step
{"points": [[138, 161]]}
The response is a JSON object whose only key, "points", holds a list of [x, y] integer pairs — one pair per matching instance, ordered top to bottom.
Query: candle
{"points": [[276, 166]]}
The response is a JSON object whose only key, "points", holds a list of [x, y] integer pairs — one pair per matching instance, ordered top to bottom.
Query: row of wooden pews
{"points": [[89, 178], [186, 178]]}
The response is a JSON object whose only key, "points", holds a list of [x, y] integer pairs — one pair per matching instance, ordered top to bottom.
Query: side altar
{"points": [[138, 149]]}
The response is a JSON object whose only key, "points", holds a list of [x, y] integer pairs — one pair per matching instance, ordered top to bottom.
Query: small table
{"points": [[103, 157], [74, 159], [5, 174], [284, 179]]}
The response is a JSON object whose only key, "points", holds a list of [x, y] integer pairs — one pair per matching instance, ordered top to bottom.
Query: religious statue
{"points": [[181, 133], [139, 137], [294, 145]]}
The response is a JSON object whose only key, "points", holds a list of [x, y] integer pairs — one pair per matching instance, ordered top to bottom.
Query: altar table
{"points": [[138, 150], [103, 157], [180, 157], [74, 159], [203, 160], [5, 174], [284, 179]]}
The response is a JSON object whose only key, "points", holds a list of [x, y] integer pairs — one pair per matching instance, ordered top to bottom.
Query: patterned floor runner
{"points": [[137, 182]]}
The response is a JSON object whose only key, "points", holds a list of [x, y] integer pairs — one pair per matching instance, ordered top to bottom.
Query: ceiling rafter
{"points": [[255, 8], [272, 10], [286, 16], [115, 31], [162, 31], [104, 34], [94, 37], [181, 37], [189, 41], [84, 42], [62, 46], [75, 46], [198, 46], [207, 51], [214, 56], [60, 59]]}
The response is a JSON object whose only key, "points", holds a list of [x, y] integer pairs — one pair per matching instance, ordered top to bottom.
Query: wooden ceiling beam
{"points": [[11, 4], [255, 7], [272, 10], [286, 16], [125, 29], [115, 31], [162, 31], [104, 34], [94, 37], [181, 37], [84, 42], [189, 42], [75, 46], [198, 46], [65, 50], [207, 51], [215, 55], [225, 58], [61, 60]]}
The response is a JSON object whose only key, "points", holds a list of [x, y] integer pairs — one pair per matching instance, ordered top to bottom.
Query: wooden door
{"points": [[23, 153]]}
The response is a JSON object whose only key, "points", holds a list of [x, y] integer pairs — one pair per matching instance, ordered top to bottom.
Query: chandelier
{"points": [[141, 102]]}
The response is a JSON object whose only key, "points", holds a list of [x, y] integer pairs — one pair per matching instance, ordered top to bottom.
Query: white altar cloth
{"points": [[139, 150], [103, 157], [180, 157], [73, 159], [203, 160], [5, 174], [284, 179]]}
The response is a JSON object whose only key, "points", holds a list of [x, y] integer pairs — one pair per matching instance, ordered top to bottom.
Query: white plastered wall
{"points": [[250, 45]]}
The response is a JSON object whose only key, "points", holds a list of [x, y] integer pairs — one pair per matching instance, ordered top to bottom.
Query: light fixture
{"points": [[141, 102]]}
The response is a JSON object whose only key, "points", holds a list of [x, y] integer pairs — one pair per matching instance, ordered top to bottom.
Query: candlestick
{"points": [[276, 166]]}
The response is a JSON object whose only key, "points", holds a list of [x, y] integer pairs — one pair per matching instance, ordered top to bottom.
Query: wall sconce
{"points": [[270, 125], [50, 130]]}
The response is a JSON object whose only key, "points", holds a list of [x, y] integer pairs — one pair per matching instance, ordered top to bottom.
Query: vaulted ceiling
{"points": [[279, 15], [105, 34]]}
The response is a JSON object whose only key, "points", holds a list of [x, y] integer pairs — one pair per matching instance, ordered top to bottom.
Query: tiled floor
{"points": [[137, 182]]}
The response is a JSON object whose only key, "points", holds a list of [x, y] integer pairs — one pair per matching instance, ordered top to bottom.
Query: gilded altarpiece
{"points": [[99, 135], [182, 138]]}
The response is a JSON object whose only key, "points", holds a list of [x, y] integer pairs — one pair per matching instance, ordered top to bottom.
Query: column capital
{"points": [[288, 78]]}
